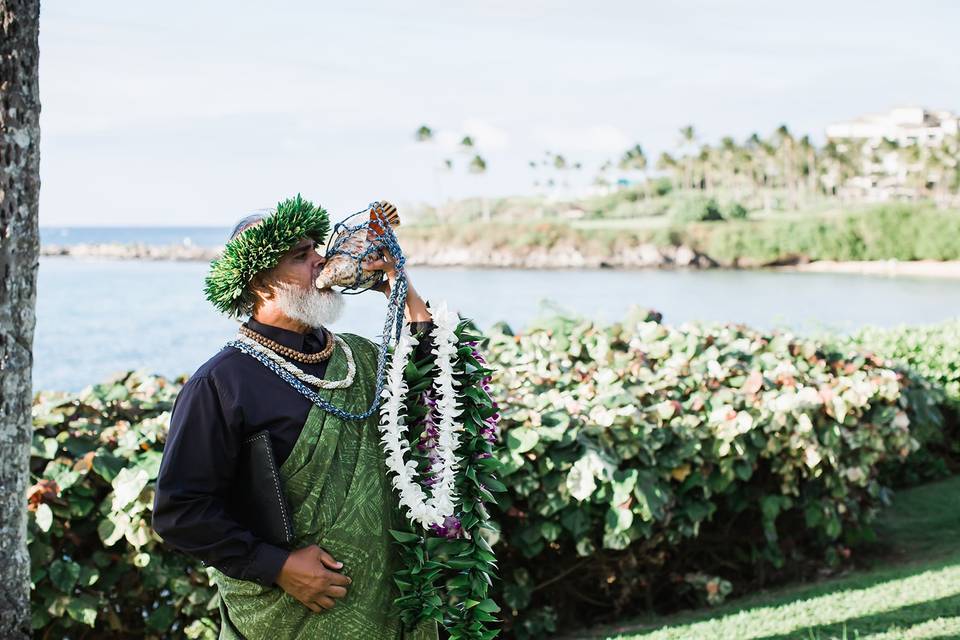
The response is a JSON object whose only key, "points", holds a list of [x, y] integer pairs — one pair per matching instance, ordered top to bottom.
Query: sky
{"points": [[195, 113]]}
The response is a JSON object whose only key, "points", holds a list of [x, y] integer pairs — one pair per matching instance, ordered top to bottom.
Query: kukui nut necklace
{"points": [[293, 354], [295, 371]]}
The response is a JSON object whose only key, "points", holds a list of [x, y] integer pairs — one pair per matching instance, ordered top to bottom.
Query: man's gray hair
{"points": [[248, 221]]}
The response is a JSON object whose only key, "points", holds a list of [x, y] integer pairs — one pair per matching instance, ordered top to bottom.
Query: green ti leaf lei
{"points": [[448, 579]]}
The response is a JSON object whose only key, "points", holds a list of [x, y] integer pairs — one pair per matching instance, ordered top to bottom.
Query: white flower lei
{"points": [[300, 373], [393, 427]]}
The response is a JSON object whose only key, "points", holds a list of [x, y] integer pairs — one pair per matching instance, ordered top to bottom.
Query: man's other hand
{"points": [[312, 576]]}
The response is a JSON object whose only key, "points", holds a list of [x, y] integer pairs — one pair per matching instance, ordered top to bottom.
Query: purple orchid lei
{"points": [[451, 527]]}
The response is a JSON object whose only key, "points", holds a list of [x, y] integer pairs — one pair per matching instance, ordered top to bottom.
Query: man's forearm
{"points": [[416, 309]]}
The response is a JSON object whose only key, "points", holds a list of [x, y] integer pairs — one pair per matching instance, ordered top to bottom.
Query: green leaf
{"points": [[117, 392], [522, 439], [44, 447], [149, 461], [107, 465], [492, 483], [127, 486], [404, 536], [64, 575], [88, 576], [488, 606], [83, 608], [161, 618]]}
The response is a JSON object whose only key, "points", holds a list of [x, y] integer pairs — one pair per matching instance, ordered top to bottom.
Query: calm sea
{"points": [[196, 236], [97, 317]]}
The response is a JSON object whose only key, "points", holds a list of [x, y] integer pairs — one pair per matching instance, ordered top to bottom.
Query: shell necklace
{"points": [[300, 374]]}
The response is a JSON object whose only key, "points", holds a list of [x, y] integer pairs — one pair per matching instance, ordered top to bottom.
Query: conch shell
{"points": [[341, 268]]}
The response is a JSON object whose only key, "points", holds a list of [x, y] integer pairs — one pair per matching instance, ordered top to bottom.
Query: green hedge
{"points": [[720, 231], [887, 232], [931, 352], [649, 464], [646, 465], [95, 559]]}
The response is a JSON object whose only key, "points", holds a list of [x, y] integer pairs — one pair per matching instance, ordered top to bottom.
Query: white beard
{"points": [[313, 307]]}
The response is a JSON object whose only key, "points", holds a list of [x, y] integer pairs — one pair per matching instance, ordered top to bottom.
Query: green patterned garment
{"points": [[342, 500]]}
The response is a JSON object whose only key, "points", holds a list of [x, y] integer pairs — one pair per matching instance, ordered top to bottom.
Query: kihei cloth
{"points": [[229, 398], [342, 500]]}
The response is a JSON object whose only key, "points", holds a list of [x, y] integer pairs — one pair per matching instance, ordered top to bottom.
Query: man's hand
{"points": [[416, 309], [312, 576]]}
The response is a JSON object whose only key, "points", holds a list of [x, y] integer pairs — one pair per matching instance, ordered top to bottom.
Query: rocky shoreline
{"points": [[431, 253], [434, 253]]}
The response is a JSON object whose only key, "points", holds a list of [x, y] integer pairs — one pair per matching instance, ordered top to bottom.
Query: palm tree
{"points": [[424, 134], [688, 141], [808, 153], [634, 159], [786, 161], [668, 163], [478, 166], [728, 169], [601, 179], [20, 248]]}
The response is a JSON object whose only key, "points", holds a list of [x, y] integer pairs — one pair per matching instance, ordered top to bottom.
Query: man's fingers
{"points": [[328, 560], [340, 580], [336, 592], [325, 602], [313, 606]]}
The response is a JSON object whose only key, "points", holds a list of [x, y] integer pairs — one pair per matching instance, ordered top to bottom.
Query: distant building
{"points": [[905, 125], [891, 147]]}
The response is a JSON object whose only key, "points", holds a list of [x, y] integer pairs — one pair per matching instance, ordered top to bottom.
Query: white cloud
{"points": [[487, 136], [602, 138]]}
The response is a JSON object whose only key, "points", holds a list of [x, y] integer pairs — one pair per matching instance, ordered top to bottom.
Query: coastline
{"points": [[432, 254], [893, 268]]}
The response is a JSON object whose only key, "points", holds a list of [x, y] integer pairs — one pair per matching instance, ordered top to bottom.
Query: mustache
{"points": [[309, 305]]}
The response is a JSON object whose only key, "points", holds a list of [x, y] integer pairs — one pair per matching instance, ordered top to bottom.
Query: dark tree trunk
{"points": [[19, 250]]}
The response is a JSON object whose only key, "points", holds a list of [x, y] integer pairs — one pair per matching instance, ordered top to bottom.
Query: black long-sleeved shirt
{"points": [[230, 397]]}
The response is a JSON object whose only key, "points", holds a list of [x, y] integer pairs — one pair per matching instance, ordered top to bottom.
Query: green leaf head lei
{"points": [[258, 247]]}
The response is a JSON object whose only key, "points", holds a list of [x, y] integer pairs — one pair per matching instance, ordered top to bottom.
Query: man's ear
{"points": [[261, 284]]}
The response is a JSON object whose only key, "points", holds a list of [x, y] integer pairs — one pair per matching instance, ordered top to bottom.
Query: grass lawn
{"points": [[911, 591]]}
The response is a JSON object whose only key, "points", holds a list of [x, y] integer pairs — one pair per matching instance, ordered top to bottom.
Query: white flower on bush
{"points": [[784, 368], [715, 370], [607, 377], [859, 393], [808, 398], [786, 402], [601, 416], [901, 420], [728, 423], [804, 424], [811, 457], [856, 475], [582, 478], [127, 485]]}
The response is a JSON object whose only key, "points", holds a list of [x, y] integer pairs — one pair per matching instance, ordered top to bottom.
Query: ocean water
{"points": [[162, 236], [96, 316]]}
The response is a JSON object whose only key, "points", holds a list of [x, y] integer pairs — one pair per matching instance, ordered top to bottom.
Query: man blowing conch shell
{"points": [[335, 580]]}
